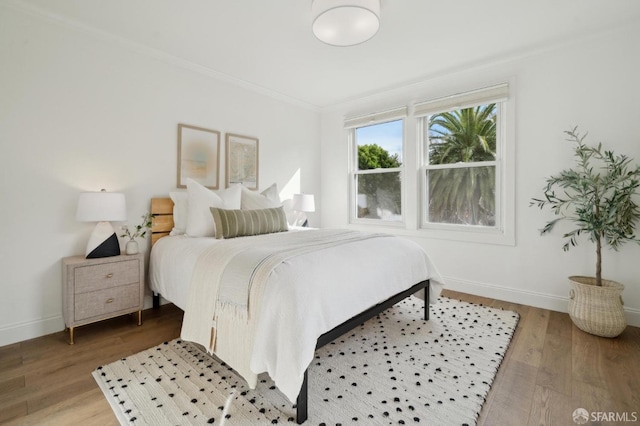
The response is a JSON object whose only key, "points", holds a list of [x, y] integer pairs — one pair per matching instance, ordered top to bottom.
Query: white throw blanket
{"points": [[254, 260], [292, 278]]}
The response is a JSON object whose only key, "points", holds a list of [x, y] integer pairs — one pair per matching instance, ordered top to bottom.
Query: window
{"points": [[463, 160], [442, 168], [376, 172]]}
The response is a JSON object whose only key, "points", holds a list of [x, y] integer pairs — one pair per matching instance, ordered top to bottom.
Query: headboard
{"points": [[162, 222]]}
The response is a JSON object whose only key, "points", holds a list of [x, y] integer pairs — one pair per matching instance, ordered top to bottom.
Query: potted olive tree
{"points": [[597, 197]]}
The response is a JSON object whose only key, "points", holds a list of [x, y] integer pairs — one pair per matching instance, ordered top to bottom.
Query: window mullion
{"points": [[460, 165], [374, 171]]}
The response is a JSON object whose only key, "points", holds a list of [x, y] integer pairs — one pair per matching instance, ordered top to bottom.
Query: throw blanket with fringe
{"points": [[227, 285]]}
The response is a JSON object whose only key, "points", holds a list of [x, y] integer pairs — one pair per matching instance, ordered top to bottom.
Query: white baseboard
{"points": [[525, 297], [18, 332]]}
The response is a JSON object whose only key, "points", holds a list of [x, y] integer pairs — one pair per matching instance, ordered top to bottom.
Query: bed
{"points": [[323, 282]]}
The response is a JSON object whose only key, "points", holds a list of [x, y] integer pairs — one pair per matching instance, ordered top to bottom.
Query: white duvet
{"points": [[303, 298]]}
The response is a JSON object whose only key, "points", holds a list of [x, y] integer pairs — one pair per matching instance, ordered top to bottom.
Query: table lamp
{"points": [[303, 203], [102, 207]]}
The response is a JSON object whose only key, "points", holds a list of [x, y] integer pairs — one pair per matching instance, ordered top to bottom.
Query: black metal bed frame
{"points": [[350, 324], [331, 335]]}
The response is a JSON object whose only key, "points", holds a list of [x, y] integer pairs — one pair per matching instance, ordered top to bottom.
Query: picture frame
{"points": [[198, 156], [241, 160]]}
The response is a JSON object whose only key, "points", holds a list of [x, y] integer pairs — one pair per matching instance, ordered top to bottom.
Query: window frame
{"points": [[351, 126], [413, 175], [503, 232]]}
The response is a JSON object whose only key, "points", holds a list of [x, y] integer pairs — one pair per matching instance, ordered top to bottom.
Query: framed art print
{"points": [[198, 156], [241, 160]]}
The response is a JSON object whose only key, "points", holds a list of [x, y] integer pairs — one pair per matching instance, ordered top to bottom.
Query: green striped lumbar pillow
{"points": [[240, 223]]}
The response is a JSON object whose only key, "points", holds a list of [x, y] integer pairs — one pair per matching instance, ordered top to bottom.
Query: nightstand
{"points": [[98, 289]]}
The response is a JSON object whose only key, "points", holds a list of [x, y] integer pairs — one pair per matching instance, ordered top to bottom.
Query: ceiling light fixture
{"points": [[345, 22]]}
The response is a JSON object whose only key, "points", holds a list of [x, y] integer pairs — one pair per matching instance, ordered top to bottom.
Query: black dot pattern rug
{"points": [[395, 369]]}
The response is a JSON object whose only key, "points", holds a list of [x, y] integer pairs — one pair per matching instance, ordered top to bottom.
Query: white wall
{"points": [[590, 83], [80, 112]]}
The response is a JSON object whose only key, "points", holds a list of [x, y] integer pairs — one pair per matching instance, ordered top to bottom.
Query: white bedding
{"points": [[303, 298]]}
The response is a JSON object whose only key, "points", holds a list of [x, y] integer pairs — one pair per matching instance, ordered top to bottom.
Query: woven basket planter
{"points": [[597, 310]]}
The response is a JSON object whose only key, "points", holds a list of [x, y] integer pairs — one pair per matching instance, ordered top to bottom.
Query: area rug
{"points": [[394, 369]]}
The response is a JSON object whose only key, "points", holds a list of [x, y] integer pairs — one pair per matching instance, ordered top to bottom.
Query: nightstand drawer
{"points": [[98, 277], [99, 303]]}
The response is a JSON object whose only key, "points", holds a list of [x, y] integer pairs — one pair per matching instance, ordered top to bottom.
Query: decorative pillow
{"points": [[272, 193], [232, 196], [267, 199], [180, 210], [199, 223], [240, 223]]}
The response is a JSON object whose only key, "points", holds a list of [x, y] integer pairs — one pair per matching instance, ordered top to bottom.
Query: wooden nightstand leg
{"points": [[139, 317], [71, 335]]}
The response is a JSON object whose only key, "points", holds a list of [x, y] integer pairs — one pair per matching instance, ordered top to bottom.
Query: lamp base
{"points": [[301, 220], [103, 242]]}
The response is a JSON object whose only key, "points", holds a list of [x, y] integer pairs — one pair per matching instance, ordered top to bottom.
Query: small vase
{"points": [[131, 247]]}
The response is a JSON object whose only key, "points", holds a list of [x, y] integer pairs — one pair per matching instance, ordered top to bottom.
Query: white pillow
{"points": [[272, 193], [231, 197], [267, 199], [180, 210], [199, 220]]}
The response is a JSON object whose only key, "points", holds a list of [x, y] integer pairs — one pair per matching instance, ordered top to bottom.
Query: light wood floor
{"points": [[550, 369]]}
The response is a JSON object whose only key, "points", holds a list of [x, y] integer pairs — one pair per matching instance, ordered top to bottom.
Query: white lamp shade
{"points": [[345, 22], [304, 202], [101, 207]]}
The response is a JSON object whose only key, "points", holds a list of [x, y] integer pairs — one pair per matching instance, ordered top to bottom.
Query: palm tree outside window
{"points": [[461, 172]]}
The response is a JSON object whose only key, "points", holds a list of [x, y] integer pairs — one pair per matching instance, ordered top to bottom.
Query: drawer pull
{"points": [[109, 275], [109, 300]]}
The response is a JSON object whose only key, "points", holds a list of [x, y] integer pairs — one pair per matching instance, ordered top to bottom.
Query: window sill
{"points": [[471, 235], [478, 236]]}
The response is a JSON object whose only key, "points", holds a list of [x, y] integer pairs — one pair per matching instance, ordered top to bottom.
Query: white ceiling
{"points": [[268, 44]]}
